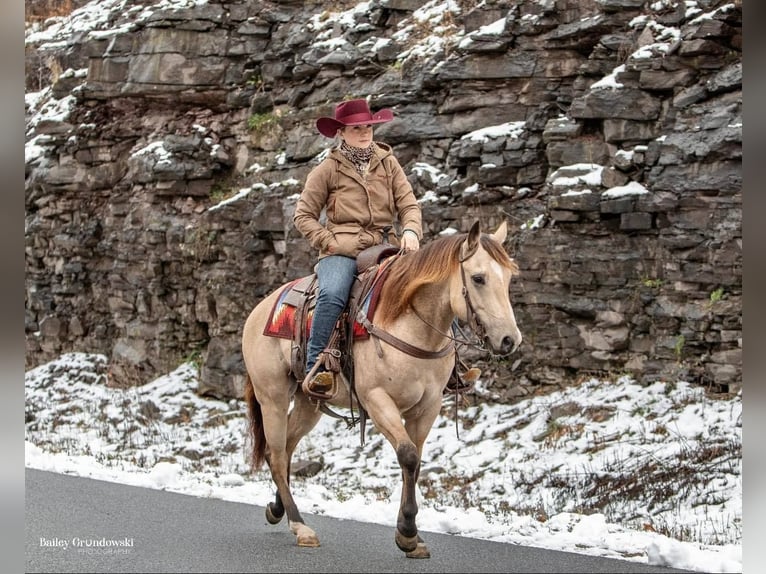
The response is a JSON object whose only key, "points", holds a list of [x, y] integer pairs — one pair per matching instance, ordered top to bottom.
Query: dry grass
{"points": [[41, 10]]}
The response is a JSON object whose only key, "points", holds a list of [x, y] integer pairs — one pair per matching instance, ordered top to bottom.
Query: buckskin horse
{"points": [[400, 370]]}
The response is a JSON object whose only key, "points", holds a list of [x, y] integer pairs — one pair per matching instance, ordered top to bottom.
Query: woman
{"points": [[362, 189]]}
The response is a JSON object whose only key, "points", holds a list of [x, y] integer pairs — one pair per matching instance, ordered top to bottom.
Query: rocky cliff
{"points": [[167, 142]]}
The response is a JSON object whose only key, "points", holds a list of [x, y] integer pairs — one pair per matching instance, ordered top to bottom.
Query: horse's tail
{"points": [[255, 427]]}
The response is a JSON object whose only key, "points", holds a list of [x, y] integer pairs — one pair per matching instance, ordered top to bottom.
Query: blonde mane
{"points": [[433, 263]]}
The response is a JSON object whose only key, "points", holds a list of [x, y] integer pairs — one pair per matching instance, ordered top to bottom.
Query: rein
{"points": [[378, 333], [400, 344]]}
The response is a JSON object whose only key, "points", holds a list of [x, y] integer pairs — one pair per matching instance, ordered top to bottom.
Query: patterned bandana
{"points": [[359, 156]]}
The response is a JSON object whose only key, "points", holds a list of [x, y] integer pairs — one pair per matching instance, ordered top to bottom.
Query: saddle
{"points": [[293, 312]]}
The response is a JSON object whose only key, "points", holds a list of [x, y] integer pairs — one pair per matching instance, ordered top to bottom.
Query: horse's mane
{"points": [[432, 263]]}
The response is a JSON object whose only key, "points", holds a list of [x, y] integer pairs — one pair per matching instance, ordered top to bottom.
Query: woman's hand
{"points": [[410, 241]]}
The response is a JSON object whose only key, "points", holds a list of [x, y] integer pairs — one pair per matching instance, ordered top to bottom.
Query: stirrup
{"points": [[321, 386]]}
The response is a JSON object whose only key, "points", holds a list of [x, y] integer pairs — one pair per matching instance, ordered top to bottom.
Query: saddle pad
{"points": [[368, 306], [281, 321]]}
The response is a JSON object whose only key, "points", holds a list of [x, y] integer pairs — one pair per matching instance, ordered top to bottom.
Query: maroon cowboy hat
{"points": [[352, 113]]}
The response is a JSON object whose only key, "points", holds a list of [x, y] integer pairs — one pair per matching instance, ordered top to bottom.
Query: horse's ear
{"points": [[501, 233], [472, 241]]}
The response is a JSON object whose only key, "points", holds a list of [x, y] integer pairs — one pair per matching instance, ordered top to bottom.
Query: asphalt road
{"points": [[69, 521]]}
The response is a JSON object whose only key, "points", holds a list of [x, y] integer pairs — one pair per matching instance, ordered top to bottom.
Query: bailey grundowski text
{"points": [[77, 542]]}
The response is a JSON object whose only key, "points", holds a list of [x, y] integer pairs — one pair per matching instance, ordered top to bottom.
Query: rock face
{"points": [[167, 143]]}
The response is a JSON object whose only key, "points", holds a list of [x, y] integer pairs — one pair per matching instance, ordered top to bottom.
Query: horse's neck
{"points": [[432, 316]]}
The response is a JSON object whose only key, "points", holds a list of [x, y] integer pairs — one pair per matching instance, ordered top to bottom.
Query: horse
{"points": [[400, 371]]}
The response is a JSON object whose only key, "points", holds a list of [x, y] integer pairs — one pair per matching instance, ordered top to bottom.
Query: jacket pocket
{"points": [[351, 240], [344, 243]]}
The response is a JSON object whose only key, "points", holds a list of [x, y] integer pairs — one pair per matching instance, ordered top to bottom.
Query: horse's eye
{"points": [[478, 279]]}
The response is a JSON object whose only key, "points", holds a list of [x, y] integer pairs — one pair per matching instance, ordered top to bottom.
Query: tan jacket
{"points": [[359, 209]]}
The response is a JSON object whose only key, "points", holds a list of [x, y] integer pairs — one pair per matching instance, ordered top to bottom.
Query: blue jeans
{"points": [[335, 276]]}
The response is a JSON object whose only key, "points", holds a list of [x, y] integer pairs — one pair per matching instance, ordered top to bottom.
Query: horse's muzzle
{"points": [[508, 345]]}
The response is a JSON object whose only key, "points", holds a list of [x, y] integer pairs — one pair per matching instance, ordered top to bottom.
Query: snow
{"points": [[708, 15], [326, 22], [496, 28], [609, 81], [46, 108], [509, 129], [157, 149], [421, 169], [577, 174], [631, 188], [244, 192], [575, 192], [431, 197], [534, 223], [519, 474]]}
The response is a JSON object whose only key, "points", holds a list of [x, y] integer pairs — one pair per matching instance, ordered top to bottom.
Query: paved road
{"points": [[167, 532]]}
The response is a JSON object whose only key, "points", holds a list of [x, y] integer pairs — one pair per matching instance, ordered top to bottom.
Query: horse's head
{"points": [[480, 293]]}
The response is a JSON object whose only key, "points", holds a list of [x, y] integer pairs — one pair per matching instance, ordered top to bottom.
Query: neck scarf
{"points": [[359, 156]]}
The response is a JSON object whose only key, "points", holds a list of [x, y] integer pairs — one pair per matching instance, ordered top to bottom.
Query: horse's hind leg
{"points": [[301, 420], [282, 439], [275, 510]]}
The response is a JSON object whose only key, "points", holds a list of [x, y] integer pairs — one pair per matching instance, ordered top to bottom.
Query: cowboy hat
{"points": [[352, 113]]}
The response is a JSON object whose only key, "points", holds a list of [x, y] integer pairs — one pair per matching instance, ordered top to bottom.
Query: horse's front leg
{"points": [[417, 427], [408, 446], [407, 538]]}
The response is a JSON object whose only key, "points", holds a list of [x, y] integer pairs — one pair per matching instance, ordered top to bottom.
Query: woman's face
{"points": [[357, 136]]}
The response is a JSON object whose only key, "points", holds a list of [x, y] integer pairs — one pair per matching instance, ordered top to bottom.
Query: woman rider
{"points": [[362, 189]]}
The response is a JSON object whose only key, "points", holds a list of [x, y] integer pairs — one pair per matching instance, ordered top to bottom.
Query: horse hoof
{"points": [[271, 517], [304, 535], [310, 541], [406, 543], [420, 552]]}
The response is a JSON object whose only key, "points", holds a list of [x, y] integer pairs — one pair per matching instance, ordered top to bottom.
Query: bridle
{"points": [[471, 316], [473, 319]]}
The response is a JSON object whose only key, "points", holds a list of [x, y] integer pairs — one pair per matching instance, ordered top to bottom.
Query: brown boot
{"points": [[462, 383], [321, 386]]}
